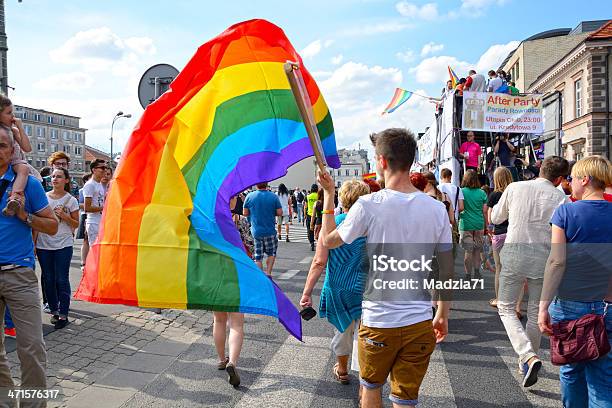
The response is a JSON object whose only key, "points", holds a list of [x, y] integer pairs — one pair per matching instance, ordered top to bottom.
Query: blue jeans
{"points": [[300, 212], [55, 265], [8, 322], [588, 383]]}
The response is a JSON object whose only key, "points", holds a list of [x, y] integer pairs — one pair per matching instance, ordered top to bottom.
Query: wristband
{"points": [[327, 212]]}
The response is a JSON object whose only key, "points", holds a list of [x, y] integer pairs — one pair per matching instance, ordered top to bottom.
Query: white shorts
{"points": [[282, 219], [92, 232]]}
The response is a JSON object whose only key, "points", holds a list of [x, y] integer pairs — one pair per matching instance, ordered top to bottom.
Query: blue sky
{"points": [[85, 58]]}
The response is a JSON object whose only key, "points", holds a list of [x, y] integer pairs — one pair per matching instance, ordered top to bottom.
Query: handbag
{"points": [[583, 339]]}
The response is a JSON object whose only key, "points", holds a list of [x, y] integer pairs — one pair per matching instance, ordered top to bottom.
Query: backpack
{"points": [[300, 197]]}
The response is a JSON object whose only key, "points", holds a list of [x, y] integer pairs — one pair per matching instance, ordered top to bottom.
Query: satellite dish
{"points": [[154, 82]]}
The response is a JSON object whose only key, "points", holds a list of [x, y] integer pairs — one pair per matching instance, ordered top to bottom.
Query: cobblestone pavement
{"points": [[91, 347]]}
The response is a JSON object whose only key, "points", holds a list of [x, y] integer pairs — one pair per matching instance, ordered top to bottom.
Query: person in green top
{"points": [[512, 90], [311, 199], [472, 223]]}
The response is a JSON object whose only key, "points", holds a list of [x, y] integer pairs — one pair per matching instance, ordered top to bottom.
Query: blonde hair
{"points": [[57, 156], [598, 168], [501, 179], [350, 192]]}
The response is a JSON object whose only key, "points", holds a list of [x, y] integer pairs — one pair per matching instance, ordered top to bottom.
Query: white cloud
{"points": [[477, 8], [428, 11], [377, 28], [328, 43], [431, 48], [99, 49], [312, 49], [495, 55], [406, 56], [337, 60], [434, 69], [70, 81], [357, 94]]}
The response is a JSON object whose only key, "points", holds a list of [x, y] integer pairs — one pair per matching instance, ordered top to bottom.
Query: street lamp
{"points": [[119, 114]]}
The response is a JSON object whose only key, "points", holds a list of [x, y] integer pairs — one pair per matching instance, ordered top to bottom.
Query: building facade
{"points": [[537, 53], [580, 81], [51, 132], [353, 164]]}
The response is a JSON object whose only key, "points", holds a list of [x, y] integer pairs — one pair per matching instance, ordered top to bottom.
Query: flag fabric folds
{"points": [[453, 77], [399, 97], [228, 121]]}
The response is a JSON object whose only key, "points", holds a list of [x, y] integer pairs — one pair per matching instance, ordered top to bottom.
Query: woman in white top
{"points": [[283, 196], [55, 251]]}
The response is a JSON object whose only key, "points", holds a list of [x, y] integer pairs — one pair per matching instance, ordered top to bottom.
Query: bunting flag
{"points": [[453, 77], [400, 96], [228, 122]]}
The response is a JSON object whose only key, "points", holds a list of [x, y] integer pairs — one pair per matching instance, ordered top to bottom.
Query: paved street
{"points": [[116, 356]]}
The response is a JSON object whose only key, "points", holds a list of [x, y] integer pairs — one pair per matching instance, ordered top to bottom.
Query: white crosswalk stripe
{"points": [[297, 233]]}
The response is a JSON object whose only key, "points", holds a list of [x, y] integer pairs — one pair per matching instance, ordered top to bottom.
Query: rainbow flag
{"points": [[453, 77], [399, 97], [228, 121], [370, 176]]}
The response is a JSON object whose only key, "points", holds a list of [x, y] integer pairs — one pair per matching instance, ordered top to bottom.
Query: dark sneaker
{"points": [[287, 240], [312, 247], [54, 319], [61, 323], [222, 364], [531, 372], [234, 378]]}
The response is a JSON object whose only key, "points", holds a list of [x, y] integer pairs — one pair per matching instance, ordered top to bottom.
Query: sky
{"points": [[86, 57]]}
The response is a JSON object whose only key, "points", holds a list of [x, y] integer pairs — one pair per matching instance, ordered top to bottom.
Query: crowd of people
{"points": [[549, 240]]}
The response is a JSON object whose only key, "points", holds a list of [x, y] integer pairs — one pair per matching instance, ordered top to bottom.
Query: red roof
{"points": [[604, 32]]}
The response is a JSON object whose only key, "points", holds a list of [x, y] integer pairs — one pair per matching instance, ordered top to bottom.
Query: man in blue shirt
{"points": [[262, 207], [18, 282]]}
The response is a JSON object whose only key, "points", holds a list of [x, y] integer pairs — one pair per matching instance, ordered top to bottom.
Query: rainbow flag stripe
{"points": [[453, 77], [400, 96], [228, 122], [371, 176]]}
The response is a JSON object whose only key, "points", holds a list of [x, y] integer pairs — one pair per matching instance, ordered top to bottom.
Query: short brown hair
{"points": [[4, 101], [397, 146], [57, 156], [553, 167], [446, 173], [470, 179], [350, 192]]}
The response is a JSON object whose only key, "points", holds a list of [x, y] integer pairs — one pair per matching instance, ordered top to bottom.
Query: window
{"points": [[517, 73], [578, 98], [24, 115], [37, 117], [49, 119], [64, 121], [28, 129], [40, 131], [54, 133], [66, 135], [78, 137], [41, 146], [53, 147], [67, 149], [78, 150], [30, 160], [78, 165], [347, 172], [356, 172]]}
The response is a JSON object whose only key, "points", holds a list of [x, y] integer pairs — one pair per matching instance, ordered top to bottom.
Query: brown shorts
{"points": [[470, 240], [402, 352]]}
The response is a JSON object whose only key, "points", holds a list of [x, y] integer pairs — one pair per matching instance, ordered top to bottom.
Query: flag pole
{"points": [[298, 87]]}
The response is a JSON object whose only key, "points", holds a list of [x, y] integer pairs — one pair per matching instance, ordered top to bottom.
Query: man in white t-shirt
{"points": [[452, 191], [94, 195], [397, 336]]}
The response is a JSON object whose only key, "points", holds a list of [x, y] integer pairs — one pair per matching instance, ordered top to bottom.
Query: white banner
{"points": [[496, 112], [427, 144]]}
